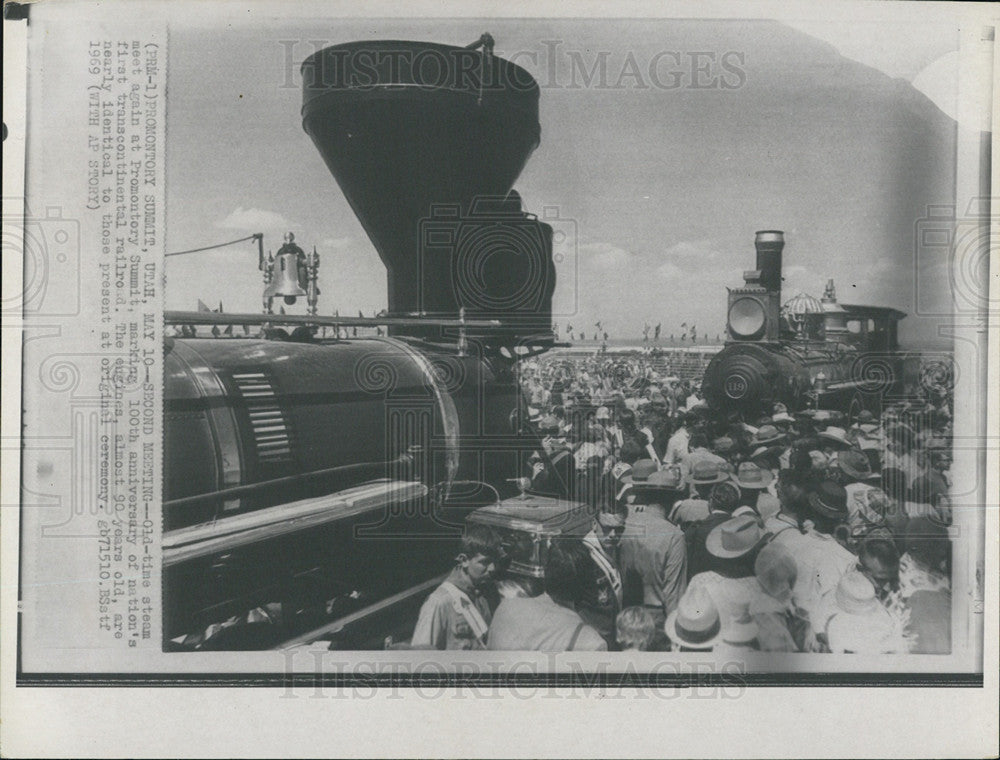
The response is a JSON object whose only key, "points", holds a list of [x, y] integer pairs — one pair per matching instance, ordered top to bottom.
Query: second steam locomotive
{"points": [[808, 353]]}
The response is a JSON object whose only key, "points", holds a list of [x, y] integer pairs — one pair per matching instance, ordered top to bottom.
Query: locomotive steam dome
{"points": [[426, 141]]}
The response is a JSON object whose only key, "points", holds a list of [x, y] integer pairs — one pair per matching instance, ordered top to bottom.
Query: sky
{"points": [[840, 134]]}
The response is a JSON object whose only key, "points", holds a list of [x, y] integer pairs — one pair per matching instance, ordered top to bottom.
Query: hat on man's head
{"points": [[602, 413], [782, 418], [767, 434], [837, 435], [723, 445], [768, 457], [855, 464], [641, 470], [705, 472], [752, 477], [669, 478], [829, 499], [734, 538], [776, 571], [855, 594], [695, 623], [860, 623]]}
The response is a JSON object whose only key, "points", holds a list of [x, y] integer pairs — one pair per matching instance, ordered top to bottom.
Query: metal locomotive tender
{"points": [[809, 353], [310, 479]]}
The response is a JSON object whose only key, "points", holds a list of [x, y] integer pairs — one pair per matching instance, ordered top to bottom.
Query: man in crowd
{"points": [[654, 560], [602, 600], [457, 615], [550, 622]]}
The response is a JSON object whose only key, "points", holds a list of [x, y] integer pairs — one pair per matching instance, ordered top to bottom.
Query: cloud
{"points": [[255, 220], [337, 244], [698, 249], [604, 256], [670, 272]]}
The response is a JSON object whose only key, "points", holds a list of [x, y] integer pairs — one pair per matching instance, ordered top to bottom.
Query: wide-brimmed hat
{"points": [[782, 418], [767, 434], [837, 435], [768, 456], [855, 464], [641, 470], [706, 472], [751, 476], [669, 478], [829, 499], [734, 538], [855, 594], [859, 622], [695, 623]]}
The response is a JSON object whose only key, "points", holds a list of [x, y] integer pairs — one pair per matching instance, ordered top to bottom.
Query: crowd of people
{"points": [[798, 531]]}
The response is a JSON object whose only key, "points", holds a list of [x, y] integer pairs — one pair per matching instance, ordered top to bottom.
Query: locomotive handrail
{"points": [[216, 318], [263, 485], [228, 533]]}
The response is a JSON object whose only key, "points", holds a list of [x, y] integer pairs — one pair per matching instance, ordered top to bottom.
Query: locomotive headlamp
{"points": [[747, 318]]}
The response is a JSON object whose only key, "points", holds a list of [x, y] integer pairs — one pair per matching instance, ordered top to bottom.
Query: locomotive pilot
{"points": [[457, 614]]}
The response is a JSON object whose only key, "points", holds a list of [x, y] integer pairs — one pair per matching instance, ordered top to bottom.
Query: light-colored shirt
{"points": [[677, 447], [653, 551], [820, 563], [732, 596], [540, 624], [441, 625]]}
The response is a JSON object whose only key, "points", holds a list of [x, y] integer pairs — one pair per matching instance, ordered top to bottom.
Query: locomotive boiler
{"points": [[805, 353], [310, 478]]}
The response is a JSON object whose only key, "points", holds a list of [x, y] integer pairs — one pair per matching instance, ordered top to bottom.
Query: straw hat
{"points": [[767, 434], [837, 435], [641, 470], [705, 472], [750, 476], [669, 478], [829, 499], [734, 538], [859, 622], [695, 623]]}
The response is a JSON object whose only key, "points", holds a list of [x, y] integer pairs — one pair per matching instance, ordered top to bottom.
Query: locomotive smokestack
{"points": [[415, 133], [769, 244]]}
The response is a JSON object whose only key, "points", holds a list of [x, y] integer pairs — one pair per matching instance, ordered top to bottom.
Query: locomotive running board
{"points": [[228, 533], [383, 607]]}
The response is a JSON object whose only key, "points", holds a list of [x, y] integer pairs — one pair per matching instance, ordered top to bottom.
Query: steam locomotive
{"points": [[806, 353], [312, 478]]}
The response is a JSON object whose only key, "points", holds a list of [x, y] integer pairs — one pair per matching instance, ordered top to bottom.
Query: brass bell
{"points": [[289, 266]]}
